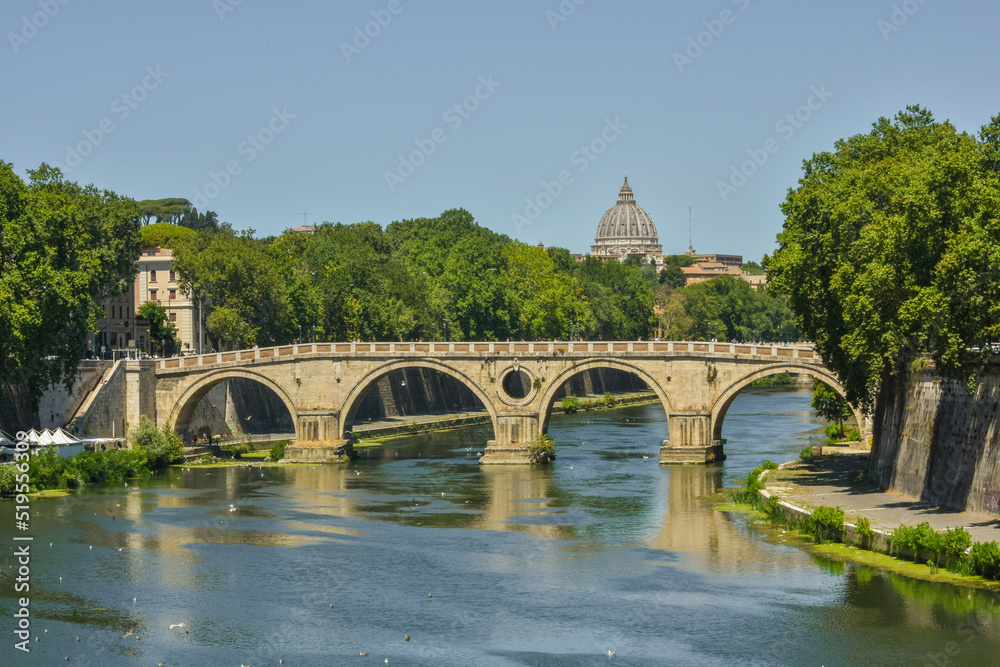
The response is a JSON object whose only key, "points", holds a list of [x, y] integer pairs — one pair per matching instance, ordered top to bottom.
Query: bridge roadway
{"points": [[322, 384]]}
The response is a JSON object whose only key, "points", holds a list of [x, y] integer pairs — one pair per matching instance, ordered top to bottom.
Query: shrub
{"points": [[609, 401], [570, 404], [854, 435], [161, 447], [542, 449], [278, 451], [806, 454], [768, 465], [8, 475], [827, 522], [864, 527], [916, 538], [955, 541], [985, 557]]}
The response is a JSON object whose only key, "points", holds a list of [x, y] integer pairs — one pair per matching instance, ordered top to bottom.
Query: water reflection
{"points": [[527, 565]]}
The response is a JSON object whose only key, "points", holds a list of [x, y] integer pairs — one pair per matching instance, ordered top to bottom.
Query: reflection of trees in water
{"points": [[902, 600]]}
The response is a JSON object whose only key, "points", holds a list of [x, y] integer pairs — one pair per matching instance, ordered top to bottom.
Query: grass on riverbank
{"points": [[914, 551]]}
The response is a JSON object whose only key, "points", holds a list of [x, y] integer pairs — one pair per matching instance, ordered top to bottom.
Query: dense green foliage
{"points": [[163, 235], [64, 248], [891, 248], [449, 278], [424, 279], [162, 332], [783, 379], [830, 405], [160, 446], [542, 449], [278, 450], [48, 470]]}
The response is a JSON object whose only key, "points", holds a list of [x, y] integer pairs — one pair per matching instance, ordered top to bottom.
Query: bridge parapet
{"points": [[574, 349]]}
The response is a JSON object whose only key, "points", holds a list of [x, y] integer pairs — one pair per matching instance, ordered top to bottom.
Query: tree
{"points": [[164, 210], [163, 235], [883, 239], [64, 248], [671, 273], [162, 332], [830, 405]]}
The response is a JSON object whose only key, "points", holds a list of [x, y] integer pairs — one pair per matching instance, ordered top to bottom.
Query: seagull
{"points": [[644, 458], [571, 467], [357, 472], [177, 625], [129, 632], [406, 638], [363, 654], [611, 654]]}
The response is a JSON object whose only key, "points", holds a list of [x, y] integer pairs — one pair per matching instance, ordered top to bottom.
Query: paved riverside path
{"points": [[839, 480]]}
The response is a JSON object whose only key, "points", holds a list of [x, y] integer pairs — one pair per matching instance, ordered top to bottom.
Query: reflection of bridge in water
{"points": [[322, 384]]}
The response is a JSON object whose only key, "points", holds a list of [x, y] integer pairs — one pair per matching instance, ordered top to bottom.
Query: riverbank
{"points": [[837, 480]]}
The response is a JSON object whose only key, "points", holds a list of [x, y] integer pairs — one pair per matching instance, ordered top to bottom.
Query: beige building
{"points": [[120, 331]]}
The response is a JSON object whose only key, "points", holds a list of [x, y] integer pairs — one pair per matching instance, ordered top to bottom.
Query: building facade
{"points": [[120, 331]]}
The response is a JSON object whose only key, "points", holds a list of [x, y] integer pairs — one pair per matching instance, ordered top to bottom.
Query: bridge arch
{"points": [[368, 380], [549, 395], [721, 405], [180, 413]]}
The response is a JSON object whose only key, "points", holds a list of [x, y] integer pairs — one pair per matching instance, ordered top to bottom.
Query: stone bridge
{"points": [[322, 384]]}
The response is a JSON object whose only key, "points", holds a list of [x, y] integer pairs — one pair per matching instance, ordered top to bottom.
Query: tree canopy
{"points": [[890, 247], [64, 248]]}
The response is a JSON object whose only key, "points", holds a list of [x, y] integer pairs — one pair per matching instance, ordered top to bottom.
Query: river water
{"points": [[549, 565]]}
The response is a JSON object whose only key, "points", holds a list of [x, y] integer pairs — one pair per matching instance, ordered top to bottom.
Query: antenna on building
{"points": [[305, 212], [690, 242]]}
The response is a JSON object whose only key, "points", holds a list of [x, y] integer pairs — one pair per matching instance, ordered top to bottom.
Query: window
{"points": [[152, 276], [173, 276], [173, 294], [152, 295], [173, 317]]}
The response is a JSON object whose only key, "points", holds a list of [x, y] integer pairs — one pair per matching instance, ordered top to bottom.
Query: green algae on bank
{"points": [[850, 553]]}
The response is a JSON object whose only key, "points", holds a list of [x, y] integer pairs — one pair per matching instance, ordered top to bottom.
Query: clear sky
{"points": [[308, 113]]}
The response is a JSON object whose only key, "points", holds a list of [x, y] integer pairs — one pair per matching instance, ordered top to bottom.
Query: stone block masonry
{"points": [[937, 442]]}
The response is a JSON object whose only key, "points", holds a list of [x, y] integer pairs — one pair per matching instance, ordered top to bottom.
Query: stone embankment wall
{"points": [[16, 410], [935, 441]]}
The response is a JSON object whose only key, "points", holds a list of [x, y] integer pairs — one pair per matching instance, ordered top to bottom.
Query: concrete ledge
{"points": [[333, 451], [510, 455], [691, 455]]}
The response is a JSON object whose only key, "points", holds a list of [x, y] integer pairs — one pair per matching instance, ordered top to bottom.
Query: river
{"points": [[555, 565]]}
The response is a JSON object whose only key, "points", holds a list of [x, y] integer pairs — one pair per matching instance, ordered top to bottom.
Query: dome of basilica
{"points": [[626, 229]]}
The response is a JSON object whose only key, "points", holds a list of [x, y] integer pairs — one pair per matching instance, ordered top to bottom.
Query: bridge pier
{"points": [[513, 434], [318, 438], [691, 439]]}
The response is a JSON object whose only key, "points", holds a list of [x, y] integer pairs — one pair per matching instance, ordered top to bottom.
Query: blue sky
{"points": [[261, 110]]}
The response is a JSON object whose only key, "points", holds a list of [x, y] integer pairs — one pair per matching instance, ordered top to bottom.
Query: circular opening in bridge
{"points": [[517, 384]]}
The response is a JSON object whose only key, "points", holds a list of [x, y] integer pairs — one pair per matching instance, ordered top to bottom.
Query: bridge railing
{"points": [[547, 348]]}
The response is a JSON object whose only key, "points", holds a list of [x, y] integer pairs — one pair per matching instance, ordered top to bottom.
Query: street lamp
{"points": [[446, 328], [435, 337], [299, 340]]}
